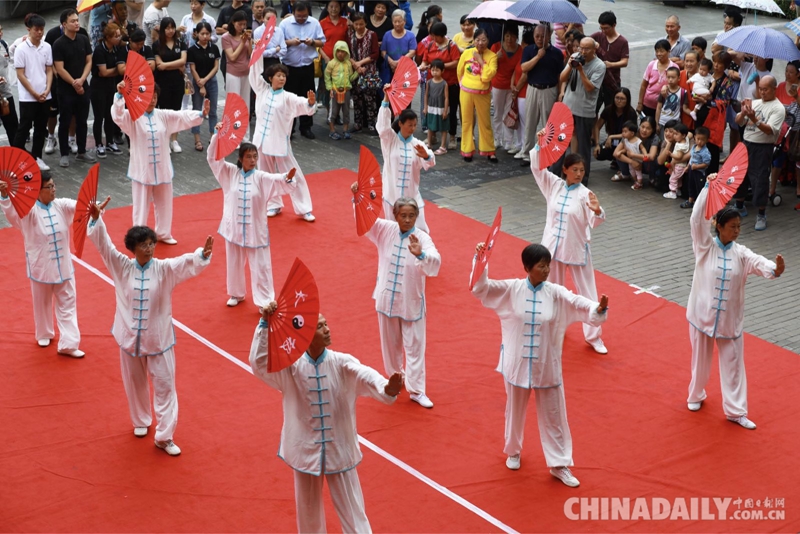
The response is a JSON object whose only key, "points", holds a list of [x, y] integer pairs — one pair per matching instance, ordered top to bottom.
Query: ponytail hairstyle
{"points": [[430, 13]]}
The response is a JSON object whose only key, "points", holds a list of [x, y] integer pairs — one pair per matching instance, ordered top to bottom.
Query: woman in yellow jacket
{"points": [[476, 68]]}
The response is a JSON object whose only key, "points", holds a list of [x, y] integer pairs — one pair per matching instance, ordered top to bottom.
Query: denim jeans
{"points": [[212, 91]]}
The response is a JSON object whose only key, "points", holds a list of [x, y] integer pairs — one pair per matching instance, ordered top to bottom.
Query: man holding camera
{"points": [[581, 81]]}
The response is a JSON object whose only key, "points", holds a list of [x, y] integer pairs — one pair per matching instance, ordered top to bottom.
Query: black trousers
{"points": [[300, 81], [454, 94], [102, 99], [71, 104], [33, 114], [11, 121], [696, 181]]}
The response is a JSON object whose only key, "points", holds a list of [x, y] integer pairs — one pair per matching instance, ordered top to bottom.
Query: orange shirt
{"points": [[333, 33], [505, 66], [690, 103]]}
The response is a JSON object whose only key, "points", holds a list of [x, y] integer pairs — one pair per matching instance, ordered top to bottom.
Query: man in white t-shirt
{"points": [[135, 11], [151, 20], [33, 61], [761, 121]]}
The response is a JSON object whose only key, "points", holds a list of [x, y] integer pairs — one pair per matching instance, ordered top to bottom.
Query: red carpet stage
{"points": [[69, 461]]}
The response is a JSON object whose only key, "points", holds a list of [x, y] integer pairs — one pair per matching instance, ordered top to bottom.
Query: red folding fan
{"points": [[262, 43], [404, 84], [139, 85], [235, 123], [557, 135], [19, 170], [722, 189], [86, 196], [369, 197], [483, 257], [292, 326]]}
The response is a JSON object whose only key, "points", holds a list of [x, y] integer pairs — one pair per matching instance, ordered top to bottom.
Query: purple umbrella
{"points": [[496, 11], [547, 11], [760, 41]]}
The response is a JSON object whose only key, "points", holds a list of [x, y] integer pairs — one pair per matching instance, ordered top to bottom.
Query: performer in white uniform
{"points": [[275, 111], [403, 157], [150, 168], [246, 191], [572, 212], [45, 230], [406, 256], [716, 306], [534, 316], [143, 322], [319, 424]]}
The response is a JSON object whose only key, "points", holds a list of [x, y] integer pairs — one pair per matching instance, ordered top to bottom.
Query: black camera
{"points": [[577, 59]]}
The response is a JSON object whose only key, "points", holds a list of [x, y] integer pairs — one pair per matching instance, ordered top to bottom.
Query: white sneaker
{"points": [[50, 145], [73, 145], [175, 147], [113, 148], [514, 150], [101, 151], [519, 155], [526, 158], [42, 165], [670, 195], [273, 212], [309, 217], [169, 241], [234, 301], [43, 342], [598, 346], [77, 353], [422, 400], [694, 406], [743, 421], [140, 431], [169, 447], [512, 462], [565, 475]]}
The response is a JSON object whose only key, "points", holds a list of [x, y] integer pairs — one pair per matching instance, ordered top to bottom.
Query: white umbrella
{"points": [[758, 5]]}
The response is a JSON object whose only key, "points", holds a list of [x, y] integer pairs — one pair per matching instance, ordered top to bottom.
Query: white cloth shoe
{"points": [[50, 145], [73, 145], [176, 148], [514, 150], [519, 155], [42, 165], [671, 195], [273, 212], [309, 217], [169, 241], [234, 301], [43, 342], [598, 346], [76, 353], [422, 400], [694, 406], [743, 421], [140, 431], [169, 447], [512, 462], [565, 475]]}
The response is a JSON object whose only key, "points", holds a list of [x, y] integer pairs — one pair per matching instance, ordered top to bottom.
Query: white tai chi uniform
{"points": [[275, 111], [401, 166], [150, 167], [244, 224], [45, 230], [567, 234], [400, 299], [716, 310], [534, 321], [143, 327], [319, 429]]}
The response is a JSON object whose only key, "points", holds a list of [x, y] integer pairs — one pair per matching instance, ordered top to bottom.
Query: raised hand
{"points": [[121, 87], [312, 98], [217, 127], [421, 151], [290, 174], [711, 177], [354, 187], [4, 189], [593, 203], [95, 209], [413, 245], [480, 247], [207, 248], [780, 266], [603, 304], [268, 310], [394, 386]]}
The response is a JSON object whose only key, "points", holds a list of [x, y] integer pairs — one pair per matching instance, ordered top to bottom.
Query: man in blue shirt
{"points": [[303, 36], [542, 63]]}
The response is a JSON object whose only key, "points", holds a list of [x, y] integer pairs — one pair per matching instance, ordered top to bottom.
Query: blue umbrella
{"points": [[547, 11], [794, 26], [760, 41]]}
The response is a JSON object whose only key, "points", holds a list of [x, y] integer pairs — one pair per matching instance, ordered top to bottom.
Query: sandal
{"points": [[335, 136], [198, 145], [440, 151], [619, 177], [636, 186]]}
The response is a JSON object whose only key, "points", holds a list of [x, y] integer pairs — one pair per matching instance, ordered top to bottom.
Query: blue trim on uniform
{"points": [[384, 104], [154, 153], [560, 223], [54, 240], [724, 276], [140, 302], [534, 330], [323, 425]]}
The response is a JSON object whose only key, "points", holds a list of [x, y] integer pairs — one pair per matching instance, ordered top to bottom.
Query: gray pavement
{"points": [[645, 240]]}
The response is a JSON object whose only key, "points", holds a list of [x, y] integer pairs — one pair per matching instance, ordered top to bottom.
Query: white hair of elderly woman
{"points": [[399, 13]]}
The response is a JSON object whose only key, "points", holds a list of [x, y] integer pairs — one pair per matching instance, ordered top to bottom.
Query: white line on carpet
{"points": [[393, 459]]}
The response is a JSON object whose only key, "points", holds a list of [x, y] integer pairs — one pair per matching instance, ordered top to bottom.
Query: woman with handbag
{"points": [[364, 54], [509, 55], [612, 118]]}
